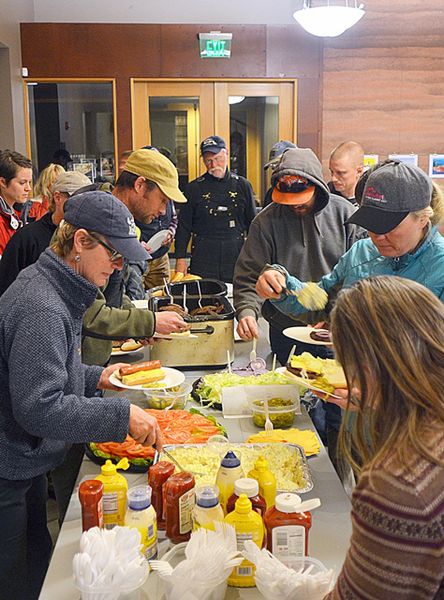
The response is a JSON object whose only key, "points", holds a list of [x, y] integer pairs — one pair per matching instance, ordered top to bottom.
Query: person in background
{"points": [[62, 157], [273, 159], [346, 166], [15, 187], [42, 191], [399, 212], [217, 216], [24, 248], [47, 393], [397, 398]]}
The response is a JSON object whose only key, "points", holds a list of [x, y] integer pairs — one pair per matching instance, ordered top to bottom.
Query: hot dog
{"points": [[143, 366]]}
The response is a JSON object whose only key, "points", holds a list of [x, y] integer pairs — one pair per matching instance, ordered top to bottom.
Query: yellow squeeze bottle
{"points": [[230, 470], [265, 479], [115, 488], [249, 526]]}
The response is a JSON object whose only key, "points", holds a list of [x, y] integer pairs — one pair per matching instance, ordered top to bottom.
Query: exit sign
{"points": [[215, 44]]}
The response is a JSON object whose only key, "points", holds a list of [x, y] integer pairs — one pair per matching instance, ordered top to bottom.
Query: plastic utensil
{"points": [[256, 364], [268, 423], [162, 567]]}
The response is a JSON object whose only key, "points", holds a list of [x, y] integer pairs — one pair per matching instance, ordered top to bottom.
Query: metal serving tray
{"points": [[298, 450]]}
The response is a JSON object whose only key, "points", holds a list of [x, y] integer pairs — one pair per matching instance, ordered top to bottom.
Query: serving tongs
{"points": [[168, 290]]}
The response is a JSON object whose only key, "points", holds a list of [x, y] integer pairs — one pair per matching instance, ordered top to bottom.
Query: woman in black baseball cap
{"points": [[47, 393]]}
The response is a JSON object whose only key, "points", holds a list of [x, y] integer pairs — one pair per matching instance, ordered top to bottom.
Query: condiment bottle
{"points": [[229, 471], [157, 475], [265, 479], [115, 487], [249, 487], [178, 495], [91, 500], [207, 509], [141, 515], [287, 525], [249, 526]]}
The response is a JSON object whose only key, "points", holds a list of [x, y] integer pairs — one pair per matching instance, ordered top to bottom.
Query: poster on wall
{"points": [[409, 159], [370, 160], [436, 166], [87, 168]]}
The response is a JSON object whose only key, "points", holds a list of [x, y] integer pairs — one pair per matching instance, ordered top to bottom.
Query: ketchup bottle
{"points": [[157, 476], [249, 487], [91, 499], [179, 500], [287, 525]]}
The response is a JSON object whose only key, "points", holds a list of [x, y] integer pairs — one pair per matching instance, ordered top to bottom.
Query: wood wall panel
{"points": [[171, 51], [383, 82]]}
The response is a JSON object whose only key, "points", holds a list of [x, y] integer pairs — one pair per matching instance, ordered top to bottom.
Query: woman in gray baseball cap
{"points": [[47, 399]]}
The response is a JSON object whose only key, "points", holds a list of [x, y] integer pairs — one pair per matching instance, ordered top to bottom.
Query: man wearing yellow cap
{"points": [[146, 186], [305, 227]]}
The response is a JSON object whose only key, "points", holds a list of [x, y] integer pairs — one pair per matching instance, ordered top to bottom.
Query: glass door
{"points": [[250, 116], [174, 117], [253, 117], [72, 123]]}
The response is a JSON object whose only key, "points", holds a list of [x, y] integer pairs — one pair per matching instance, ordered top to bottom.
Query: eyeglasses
{"points": [[218, 158], [293, 184], [114, 256]]}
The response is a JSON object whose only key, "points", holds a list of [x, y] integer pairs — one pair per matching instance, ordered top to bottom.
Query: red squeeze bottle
{"points": [[157, 476], [91, 499], [179, 500]]}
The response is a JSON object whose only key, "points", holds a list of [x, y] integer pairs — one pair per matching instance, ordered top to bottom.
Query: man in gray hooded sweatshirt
{"points": [[304, 229]]}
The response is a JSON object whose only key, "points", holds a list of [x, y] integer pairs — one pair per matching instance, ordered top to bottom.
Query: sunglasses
{"points": [[293, 184], [114, 256]]}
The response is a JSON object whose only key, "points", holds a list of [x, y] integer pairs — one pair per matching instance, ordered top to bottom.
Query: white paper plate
{"points": [[155, 242], [302, 334], [125, 352], [173, 377], [303, 382]]}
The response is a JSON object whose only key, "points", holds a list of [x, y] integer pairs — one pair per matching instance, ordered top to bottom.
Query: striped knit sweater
{"points": [[397, 545]]}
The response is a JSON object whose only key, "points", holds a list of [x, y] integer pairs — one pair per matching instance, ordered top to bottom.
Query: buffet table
{"points": [[329, 535]]}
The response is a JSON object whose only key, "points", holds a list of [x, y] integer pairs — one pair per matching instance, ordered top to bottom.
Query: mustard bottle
{"points": [[265, 479], [115, 488], [249, 526]]}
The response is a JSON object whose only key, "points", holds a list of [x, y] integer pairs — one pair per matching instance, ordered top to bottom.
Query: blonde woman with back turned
{"points": [[396, 377]]}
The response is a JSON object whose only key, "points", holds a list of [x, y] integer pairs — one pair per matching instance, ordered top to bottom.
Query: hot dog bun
{"points": [[130, 345], [142, 377]]}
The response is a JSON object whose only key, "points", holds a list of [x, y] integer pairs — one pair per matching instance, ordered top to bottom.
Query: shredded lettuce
{"points": [[210, 387]]}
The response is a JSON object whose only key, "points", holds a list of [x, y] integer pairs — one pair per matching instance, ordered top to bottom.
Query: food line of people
{"points": [[397, 212]]}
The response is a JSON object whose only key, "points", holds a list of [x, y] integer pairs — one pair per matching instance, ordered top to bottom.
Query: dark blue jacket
{"points": [[45, 390]]}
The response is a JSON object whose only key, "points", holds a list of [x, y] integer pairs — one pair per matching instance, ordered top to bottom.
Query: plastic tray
{"points": [[298, 450]]}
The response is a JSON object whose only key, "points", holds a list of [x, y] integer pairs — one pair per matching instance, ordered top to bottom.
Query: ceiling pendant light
{"points": [[330, 20]]}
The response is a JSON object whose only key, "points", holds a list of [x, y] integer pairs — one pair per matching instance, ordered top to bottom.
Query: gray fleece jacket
{"points": [[308, 246], [45, 391]]}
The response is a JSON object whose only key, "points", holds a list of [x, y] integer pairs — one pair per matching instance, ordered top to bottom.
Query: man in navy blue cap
{"points": [[217, 216]]}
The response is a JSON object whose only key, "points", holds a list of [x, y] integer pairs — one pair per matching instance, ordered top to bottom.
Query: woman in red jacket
{"points": [[15, 187]]}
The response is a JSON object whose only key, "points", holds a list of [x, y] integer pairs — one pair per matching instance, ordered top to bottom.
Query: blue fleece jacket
{"points": [[425, 265], [45, 390]]}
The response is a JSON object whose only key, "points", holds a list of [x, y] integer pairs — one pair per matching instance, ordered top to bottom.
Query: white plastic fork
{"points": [[268, 423], [162, 567]]}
